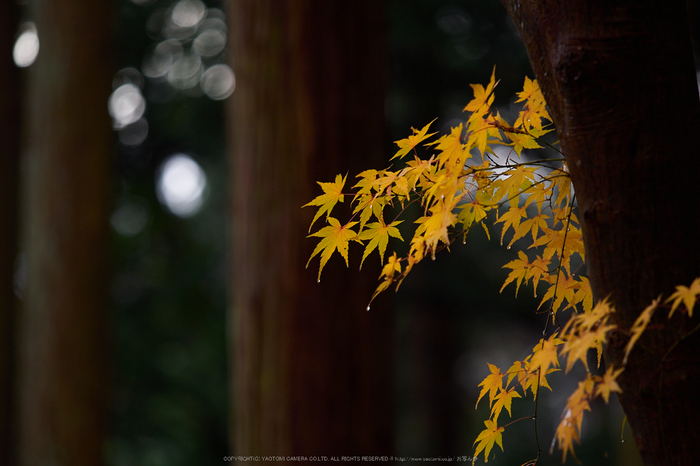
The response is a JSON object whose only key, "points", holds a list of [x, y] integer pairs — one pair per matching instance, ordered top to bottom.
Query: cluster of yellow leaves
{"points": [[461, 184], [458, 187], [584, 331], [526, 375], [569, 429]]}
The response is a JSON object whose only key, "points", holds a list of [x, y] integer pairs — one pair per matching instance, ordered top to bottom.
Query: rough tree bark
{"points": [[620, 82], [62, 367], [310, 367]]}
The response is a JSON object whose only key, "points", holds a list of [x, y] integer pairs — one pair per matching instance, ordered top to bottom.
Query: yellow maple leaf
{"points": [[531, 91], [483, 98], [535, 107], [483, 131], [522, 141], [408, 144], [451, 150], [415, 170], [514, 181], [366, 183], [561, 183], [332, 193], [538, 193], [369, 205], [470, 213], [512, 219], [532, 225], [433, 227], [378, 233], [334, 237], [562, 243], [392, 267], [521, 268], [539, 271], [561, 288], [584, 295], [685, 295], [586, 321], [640, 324], [587, 330], [577, 346], [544, 354], [519, 370], [534, 380], [491, 384], [608, 384], [504, 399], [569, 428], [492, 434], [565, 435]]}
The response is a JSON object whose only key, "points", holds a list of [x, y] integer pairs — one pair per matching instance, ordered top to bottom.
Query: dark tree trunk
{"points": [[620, 82], [10, 121], [62, 361], [310, 367]]}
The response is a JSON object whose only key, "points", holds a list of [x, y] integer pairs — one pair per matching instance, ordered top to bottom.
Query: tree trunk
{"points": [[620, 82], [10, 121], [62, 361], [311, 368]]}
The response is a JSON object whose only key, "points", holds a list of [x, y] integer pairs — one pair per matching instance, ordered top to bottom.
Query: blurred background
{"points": [[157, 307]]}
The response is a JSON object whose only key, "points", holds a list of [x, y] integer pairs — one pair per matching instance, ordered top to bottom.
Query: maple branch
{"points": [[561, 258], [534, 416]]}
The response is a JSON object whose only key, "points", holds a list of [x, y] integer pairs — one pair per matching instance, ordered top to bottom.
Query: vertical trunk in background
{"points": [[620, 82], [10, 121], [62, 361], [311, 371]]}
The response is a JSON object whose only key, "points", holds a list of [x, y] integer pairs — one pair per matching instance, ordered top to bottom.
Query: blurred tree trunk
{"points": [[620, 82], [10, 122], [65, 185], [311, 369]]}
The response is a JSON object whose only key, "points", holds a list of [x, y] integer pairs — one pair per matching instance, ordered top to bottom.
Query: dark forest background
{"points": [[165, 326]]}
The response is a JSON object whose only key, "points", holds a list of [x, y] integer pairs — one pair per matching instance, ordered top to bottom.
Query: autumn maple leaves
{"points": [[463, 184]]}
